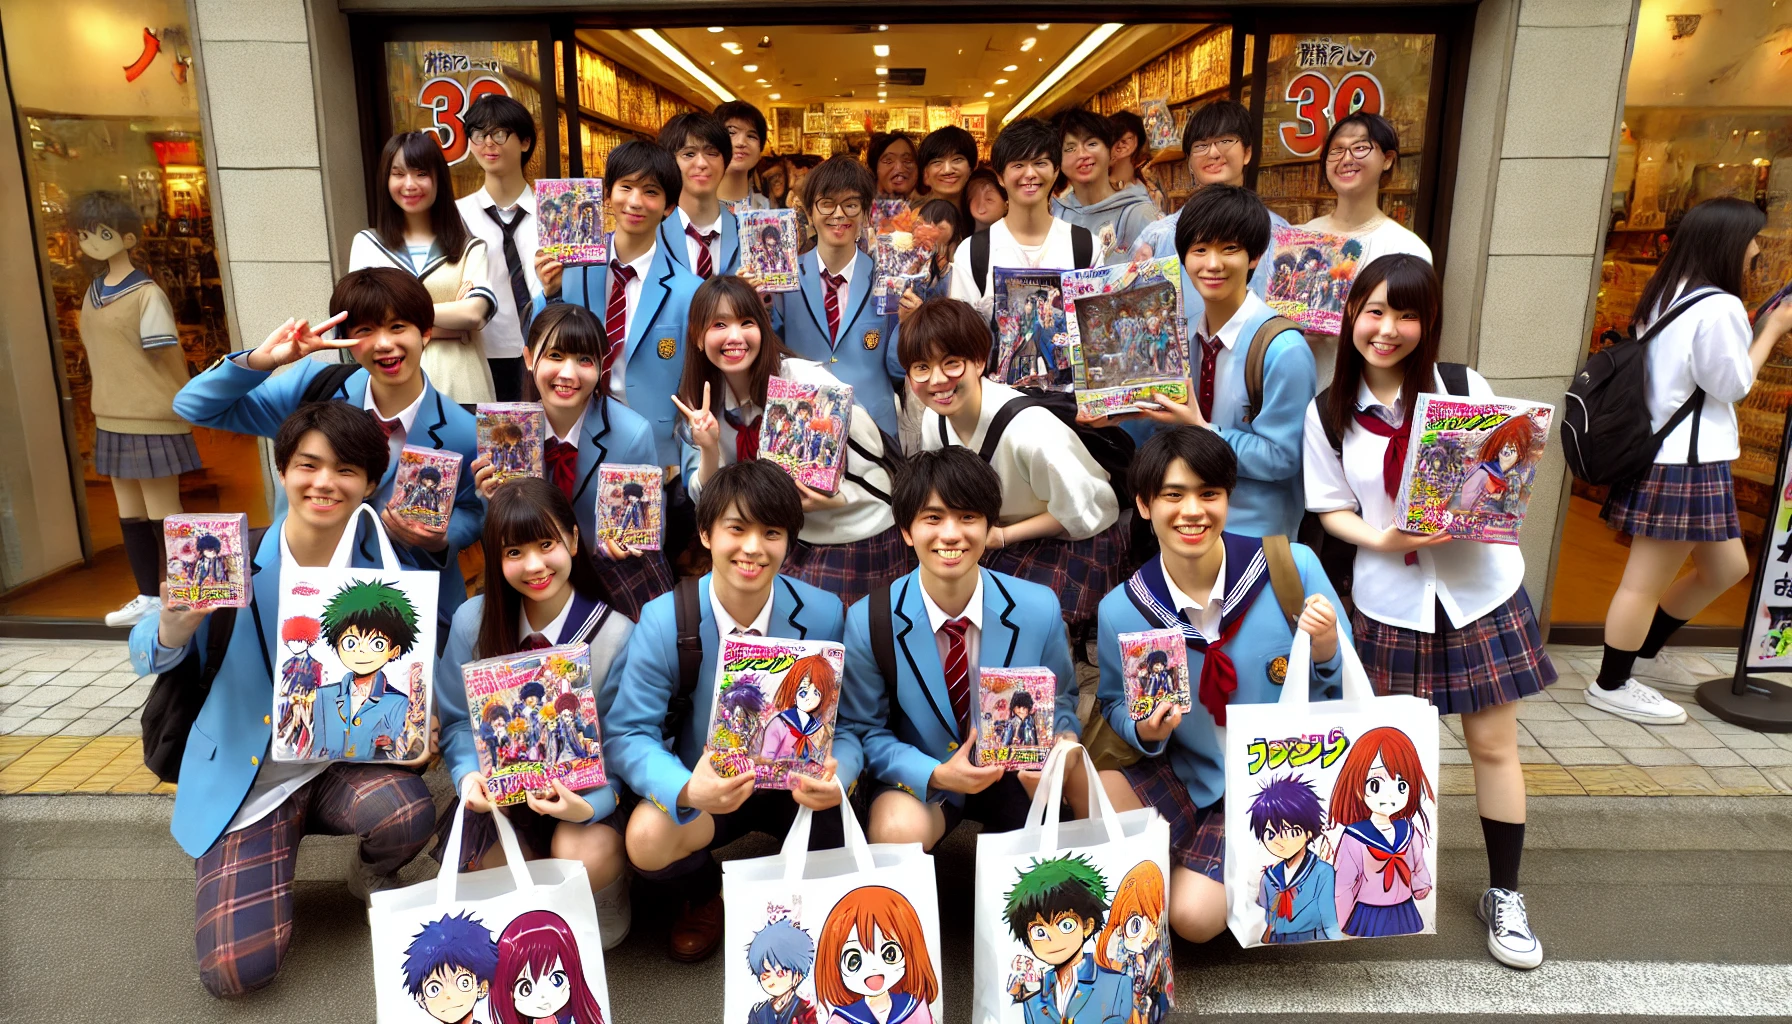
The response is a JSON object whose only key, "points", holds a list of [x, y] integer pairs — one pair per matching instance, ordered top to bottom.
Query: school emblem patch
{"points": [[871, 340], [668, 348], [1278, 669]]}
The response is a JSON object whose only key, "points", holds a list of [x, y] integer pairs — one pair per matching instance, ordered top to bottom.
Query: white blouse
{"points": [[1706, 347], [1469, 578]]}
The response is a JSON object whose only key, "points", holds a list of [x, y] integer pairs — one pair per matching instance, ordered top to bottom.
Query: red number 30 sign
{"points": [[449, 100], [1318, 106]]}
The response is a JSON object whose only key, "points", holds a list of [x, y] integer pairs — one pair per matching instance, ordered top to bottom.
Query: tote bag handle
{"points": [[345, 547], [1300, 672], [1047, 806], [796, 841], [448, 880]]}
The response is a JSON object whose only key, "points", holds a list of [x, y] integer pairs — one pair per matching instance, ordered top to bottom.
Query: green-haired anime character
{"points": [[368, 624], [1054, 909]]}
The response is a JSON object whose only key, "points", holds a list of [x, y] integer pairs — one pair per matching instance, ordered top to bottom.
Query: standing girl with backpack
{"points": [[1699, 364], [1438, 618]]}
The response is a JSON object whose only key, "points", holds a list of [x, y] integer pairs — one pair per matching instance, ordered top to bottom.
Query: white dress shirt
{"points": [[691, 245], [1055, 254], [632, 297], [503, 335], [1705, 347], [407, 416], [1204, 616], [726, 626], [552, 630], [973, 634]]}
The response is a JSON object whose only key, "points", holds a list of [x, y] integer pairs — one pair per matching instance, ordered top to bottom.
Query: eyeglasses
{"points": [[496, 136], [1219, 145], [1359, 150], [828, 207], [920, 373]]}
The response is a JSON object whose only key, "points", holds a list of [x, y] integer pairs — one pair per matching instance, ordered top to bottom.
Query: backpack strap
{"points": [[1082, 247], [980, 260], [1256, 355], [1455, 377], [327, 383], [1697, 398], [999, 423], [1331, 435], [1284, 578], [883, 639], [690, 654]]}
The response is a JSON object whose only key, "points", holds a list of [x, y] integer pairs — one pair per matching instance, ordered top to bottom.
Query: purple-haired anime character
{"points": [[1296, 892], [540, 975]]}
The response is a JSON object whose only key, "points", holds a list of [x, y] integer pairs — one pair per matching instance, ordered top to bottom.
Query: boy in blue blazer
{"points": [[700, 234], [642, 296], [383, 317], [748, 515], [1214, 587], [919, 730], [240, 816]]}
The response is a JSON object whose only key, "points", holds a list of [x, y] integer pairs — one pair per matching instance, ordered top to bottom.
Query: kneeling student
{"points": [[747, 517], [1214, 587], [945, 619], [239, 815]]}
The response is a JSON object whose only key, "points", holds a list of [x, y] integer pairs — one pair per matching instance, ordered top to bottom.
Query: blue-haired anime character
{"points": [[1296, 892], [781, 955], [448, 967]]}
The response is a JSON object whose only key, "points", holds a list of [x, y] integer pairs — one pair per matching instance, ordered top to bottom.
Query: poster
{"points": [[570, 214], [1767, 634]]}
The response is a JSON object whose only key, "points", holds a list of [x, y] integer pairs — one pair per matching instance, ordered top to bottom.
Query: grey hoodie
{"points": [[1127, 210]]}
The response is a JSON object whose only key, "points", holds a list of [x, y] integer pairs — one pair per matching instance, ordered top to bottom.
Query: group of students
{"points": [[995, 531]]}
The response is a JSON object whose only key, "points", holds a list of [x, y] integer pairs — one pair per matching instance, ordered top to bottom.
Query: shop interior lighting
{"points": [[717, 28], [1042, 28], [1027, 44], [1089, 45], [881, 49], [684, 63], [1012, 67], [749, 68], [883, 71], [1001, 81], [987, 95], [777, 96]]}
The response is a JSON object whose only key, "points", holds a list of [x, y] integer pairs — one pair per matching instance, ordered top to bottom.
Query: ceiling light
{"points": [[717, 28], [883, 28], [1042, 28], [1027, 44], [1089, 45], [733, 48], [881, 49], [685, 64], [1012, 67], [749, 68], [883, 71], [762, 81], [1001, 81], [987, 95], [777, 96], [883, 101]]}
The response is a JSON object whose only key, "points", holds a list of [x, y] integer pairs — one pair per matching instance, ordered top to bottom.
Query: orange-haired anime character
{"points": [[1508, 456], [300, 676], [800, 730], [1380, 857], [1134, 943], [871, 963]]}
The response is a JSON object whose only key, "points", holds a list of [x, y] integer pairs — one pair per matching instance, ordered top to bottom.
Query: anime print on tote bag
{"points": [[1331, 812], [1071, 916], [844, 936], [506, 945]]}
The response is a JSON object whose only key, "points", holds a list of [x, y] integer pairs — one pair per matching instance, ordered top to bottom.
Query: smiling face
{"points": [[747, 145], [496, 156], [1084, 159], [1219, 161], [1353, 163], [701, 166], [896, 169], [945, 176], [1029, 181], [413, 190], [639, 204], [838, 217], [103, 243], [1220, 270], [1385, 336], [731, 341], [391, 352], [564, 381], [945, 384], [321, 490], [1187, 513], [948, 542], [746, 554], [541, 570], [364, 653], [1383, 792], [1284, 840], [1059, 940], [871, 969], [776, 981], [450, 994], [544, 996]]}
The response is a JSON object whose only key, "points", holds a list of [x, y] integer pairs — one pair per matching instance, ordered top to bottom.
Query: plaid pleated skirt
{"points": [[143, 456], [1696, 503], [852, 570], [1081, 572], [630, 583], [1494, 660], [1197, 837]]}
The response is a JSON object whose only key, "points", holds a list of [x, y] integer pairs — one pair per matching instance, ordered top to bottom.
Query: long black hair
{"points": [[420, 151], [1707, 249], [1412, 286], [725, 293], [524, 511]]}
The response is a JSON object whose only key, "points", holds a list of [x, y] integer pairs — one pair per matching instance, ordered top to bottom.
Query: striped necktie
{"points": [[706, 264], [519, 285], [830, 300], [616, 313], [958, 670]]}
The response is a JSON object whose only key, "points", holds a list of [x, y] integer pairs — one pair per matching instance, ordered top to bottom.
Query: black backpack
{"points": [[324, 385], [1606, 435], [1110, 447], [688, 620]]}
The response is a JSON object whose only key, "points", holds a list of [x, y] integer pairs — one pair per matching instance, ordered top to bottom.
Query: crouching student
{"points": [[747, 517], [1059, 523], [848, 543], [1214, 587], [540, 591], [946, 619], [240, 815]]}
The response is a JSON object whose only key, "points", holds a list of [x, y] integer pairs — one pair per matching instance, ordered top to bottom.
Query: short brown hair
{"points": [[839, 175], [375, 296], [943, 328], [354, 435]]}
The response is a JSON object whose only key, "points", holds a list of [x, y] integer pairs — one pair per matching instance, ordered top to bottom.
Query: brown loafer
{"points": [[698, 931]]}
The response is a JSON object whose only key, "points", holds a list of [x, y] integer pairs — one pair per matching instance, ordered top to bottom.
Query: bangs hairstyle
{"points": [[496, 110], [741, 110], [1217, 119], [1128, 123], [1085, 125], [705, 128], [1379, 132], [949, 141], [1024, 141], [881, 143], [418, 151], [635, 157], [986, 175], [839, 177], [94, 210], [945, 211], [1220, 214], [1705, 249], [1412, 287], [726, 295], [376, 296], [940, 329], [572, 330], [354, 436], [1211, 459], [963, 481], [760, 491], [521, 512], [814, 669], [1399, 758], [1287, 802], [1141, 894], [867, 910], [535, 942]]}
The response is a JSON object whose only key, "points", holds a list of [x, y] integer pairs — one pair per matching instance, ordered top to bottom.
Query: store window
{"points": [[430, 85]]}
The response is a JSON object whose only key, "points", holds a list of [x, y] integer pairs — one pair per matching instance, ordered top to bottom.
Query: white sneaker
{"points": [[139, 608], [1666, 674], [1636, 702], [363, 883], [614, 913], [1509, 936]]}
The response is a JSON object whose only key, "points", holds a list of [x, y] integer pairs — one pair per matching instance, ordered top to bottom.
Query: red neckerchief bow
{"points": [[746, 435], [1393, 461], [562, 464], [1219, 677], [1392, 865], [1285, 904]]}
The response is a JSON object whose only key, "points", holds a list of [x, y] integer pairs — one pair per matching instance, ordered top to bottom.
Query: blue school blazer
{"points": [[677, 243], [655, 351], [865, 355], [230, 396], [612, 433], [1022, 628], [632, 704], [229, 740], [1195, 749], [459, 753]]}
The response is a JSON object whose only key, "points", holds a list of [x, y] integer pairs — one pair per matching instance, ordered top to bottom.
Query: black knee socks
{"points": [[143, 550], [1660, 629], [1614, 667], [1505, 847]]}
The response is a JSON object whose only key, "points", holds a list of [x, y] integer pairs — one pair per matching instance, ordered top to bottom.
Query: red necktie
{"points": [[706, 265], [830, 298], [616, 313], [1210, 355], [393, 428], [1393, 460], [562, 461], [535, 642], [958, 670], [1219, 677], [1392, 865]]}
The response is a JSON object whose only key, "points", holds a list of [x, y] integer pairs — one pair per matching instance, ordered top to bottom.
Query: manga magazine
{"points": [[1160, 125], [570, 214], [891, 215], [768, 248], [903, 259], [1311, 277], [1030, 329], [1127, 335], [804, 431], [511, 435], [1470, 466], [423, 490], [628, 505], [207, 567], [1154, 664], [773, 713], [1014, 718], [534, 720]]}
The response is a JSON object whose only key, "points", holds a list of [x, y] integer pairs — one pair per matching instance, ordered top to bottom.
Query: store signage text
{"points": [[1324, 53], [449, 98], [1319, 102]]}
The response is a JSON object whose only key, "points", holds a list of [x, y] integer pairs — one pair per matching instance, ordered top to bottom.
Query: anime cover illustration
{"points": [[1160, 125], [570, 214], [889, 216], [769, 248], [903, 259], [1311, 277], [1030, 329], [1127, 334], [804, 431], [511, 435], [1470, 467], [423, 490], [628, 505], [208, 566], [1767, 632], [357, 656], [1154, 663], [773, 713], [535, 720], [1014, 722], [1378, 809], [1296, 891], [1114, 956], [781, 958], [872, 963], [448, 969], [541, 976]]}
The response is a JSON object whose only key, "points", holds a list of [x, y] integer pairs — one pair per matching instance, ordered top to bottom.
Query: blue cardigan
{"points": [[865, 355]]}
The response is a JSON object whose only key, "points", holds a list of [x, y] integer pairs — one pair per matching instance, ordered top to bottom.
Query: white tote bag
{"points": [[1331, 812], [1085, 901], [852, 933], [522, 939]]}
